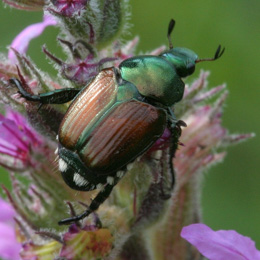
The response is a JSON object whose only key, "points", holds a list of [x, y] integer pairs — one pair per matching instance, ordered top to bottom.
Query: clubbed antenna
{"points": [[170, 29], [217, 55]]}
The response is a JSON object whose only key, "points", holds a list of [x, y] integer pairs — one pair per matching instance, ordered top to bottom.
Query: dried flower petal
{"points": [[202, 134], [87, 244], [48, 251]]}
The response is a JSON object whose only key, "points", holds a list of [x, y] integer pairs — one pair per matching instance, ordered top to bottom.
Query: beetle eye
{"points": [[190, 68]]}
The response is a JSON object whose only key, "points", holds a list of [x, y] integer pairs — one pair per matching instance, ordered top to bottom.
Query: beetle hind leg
{"points": [[79, 177], [96, 202]]}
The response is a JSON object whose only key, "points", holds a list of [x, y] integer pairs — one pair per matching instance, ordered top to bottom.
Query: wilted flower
{"points": [[142, 202], [79, 243], [87, 244]]}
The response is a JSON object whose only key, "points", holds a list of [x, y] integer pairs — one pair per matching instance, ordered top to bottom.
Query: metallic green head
{"points": [[183, 59], [159, 78]]}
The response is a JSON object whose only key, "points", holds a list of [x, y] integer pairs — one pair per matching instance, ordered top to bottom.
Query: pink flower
{"points": [[69, 7], [22, 40], [83, 71], [16, 141], [220, 245], [9, 247]]}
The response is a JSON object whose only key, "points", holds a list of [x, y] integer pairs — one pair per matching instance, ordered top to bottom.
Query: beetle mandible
{"points": [[117, 117]]}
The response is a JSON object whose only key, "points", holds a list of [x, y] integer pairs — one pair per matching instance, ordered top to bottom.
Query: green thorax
{"points": [[155, 78]]}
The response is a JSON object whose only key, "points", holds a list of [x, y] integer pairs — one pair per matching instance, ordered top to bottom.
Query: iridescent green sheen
{"points": [[183, 60], [155, 78], [127, 91]]}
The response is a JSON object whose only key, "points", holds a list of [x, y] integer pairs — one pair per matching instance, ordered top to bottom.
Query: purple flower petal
{"points": [[70, 7], [22, 40], [82, 71], [23, 125], [10, 133], [16, 141], [7, 212], [220, 245], [9, 247]]}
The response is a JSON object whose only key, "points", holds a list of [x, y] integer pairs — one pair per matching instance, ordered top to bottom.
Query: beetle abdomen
{"points": [[88, 107], [124, 134]]}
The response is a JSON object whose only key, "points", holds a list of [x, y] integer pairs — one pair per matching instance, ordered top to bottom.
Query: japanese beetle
{"points": [[117, 117]]}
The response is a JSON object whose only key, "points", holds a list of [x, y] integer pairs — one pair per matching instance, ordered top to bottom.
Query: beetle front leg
{"points": [[58, 96], [165, 164], [96, 202]]}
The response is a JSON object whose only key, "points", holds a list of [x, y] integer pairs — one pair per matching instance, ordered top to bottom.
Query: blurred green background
{"points": [[231, 190]]}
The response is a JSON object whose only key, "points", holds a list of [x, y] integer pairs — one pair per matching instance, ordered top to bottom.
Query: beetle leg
{"points": [[58, 96], [171, 117], [180, 124], [168, 153], [160, 162], [168, 174], [96, 202]]}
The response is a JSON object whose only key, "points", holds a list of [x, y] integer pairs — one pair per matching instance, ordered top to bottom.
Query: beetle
{"points": [[117, 117]]}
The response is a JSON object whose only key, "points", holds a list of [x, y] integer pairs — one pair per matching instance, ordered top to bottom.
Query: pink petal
{"points": [[22, 40], [23, 125], [11, 135], [16, 136], [7, 147], [7, 212], [220, 245], [9, 247]]}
